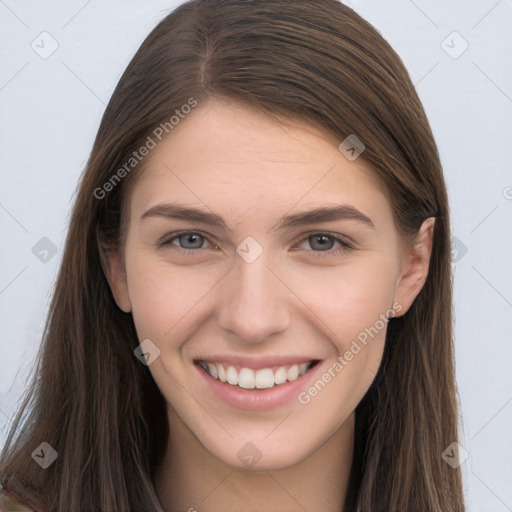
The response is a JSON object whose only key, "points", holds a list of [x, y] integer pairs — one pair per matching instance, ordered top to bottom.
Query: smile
{"points": [[263, 378]]}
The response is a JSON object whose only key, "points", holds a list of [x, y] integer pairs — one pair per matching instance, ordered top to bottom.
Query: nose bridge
{"points": [[253, 304]]}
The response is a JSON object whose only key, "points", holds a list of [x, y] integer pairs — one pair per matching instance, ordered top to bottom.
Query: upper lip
{"points": [[257, 363]]}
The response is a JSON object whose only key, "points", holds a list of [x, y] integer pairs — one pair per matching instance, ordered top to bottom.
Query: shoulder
{"points": [[10, 503]]}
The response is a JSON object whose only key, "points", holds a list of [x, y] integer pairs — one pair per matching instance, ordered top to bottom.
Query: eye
{"points": [[188, 241], [323, 242]]}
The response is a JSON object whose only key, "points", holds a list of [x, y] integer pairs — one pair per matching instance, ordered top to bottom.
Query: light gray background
{"points": [[51, 108]]}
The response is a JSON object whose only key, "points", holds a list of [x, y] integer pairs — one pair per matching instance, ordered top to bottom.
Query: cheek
{"points": [[349, 298], [167, 299], [354, 301]]}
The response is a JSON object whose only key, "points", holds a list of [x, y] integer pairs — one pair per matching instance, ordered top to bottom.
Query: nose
{"points": [[253, 303]]}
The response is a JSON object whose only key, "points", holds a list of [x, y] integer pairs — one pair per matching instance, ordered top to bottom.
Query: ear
{"points": [[113, 265], [415, 265]]}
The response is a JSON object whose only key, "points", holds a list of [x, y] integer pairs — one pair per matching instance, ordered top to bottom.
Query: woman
{"points": [[298, 356]]}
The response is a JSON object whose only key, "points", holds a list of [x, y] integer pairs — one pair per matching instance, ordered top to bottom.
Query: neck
{"points": [[191, 479]]}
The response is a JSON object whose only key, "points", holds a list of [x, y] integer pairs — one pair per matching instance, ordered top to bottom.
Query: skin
{"points": [[294, 299]]}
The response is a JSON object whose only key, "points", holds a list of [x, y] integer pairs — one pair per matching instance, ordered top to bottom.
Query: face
{"points": [[288, 310]]}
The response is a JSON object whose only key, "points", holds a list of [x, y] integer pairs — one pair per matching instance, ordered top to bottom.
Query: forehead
{"points": [[237, 161]]}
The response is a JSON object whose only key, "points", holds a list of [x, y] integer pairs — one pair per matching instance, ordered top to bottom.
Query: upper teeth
{"points": [[249, 379]]}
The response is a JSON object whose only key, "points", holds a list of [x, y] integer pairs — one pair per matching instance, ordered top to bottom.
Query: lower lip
{"points": [[258, 399]]}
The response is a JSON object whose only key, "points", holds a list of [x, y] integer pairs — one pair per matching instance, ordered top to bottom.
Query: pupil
{"points": [[190, 239], [323, 240]]}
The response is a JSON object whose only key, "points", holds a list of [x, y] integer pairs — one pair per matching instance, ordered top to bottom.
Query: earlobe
{"points": [[415, 266], [116, 276]]}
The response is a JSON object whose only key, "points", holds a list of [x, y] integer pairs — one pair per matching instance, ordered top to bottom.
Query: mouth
{"points": [[247, 378]]}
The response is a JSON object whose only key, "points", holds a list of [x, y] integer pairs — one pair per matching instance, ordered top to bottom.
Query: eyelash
{"points": [[345, 246]]}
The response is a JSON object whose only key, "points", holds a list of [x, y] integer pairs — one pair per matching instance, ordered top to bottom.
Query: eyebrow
{"points": [[316, 215]]}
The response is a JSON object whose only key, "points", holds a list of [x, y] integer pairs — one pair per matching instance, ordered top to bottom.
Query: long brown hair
{"points": [[98, 406]]}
